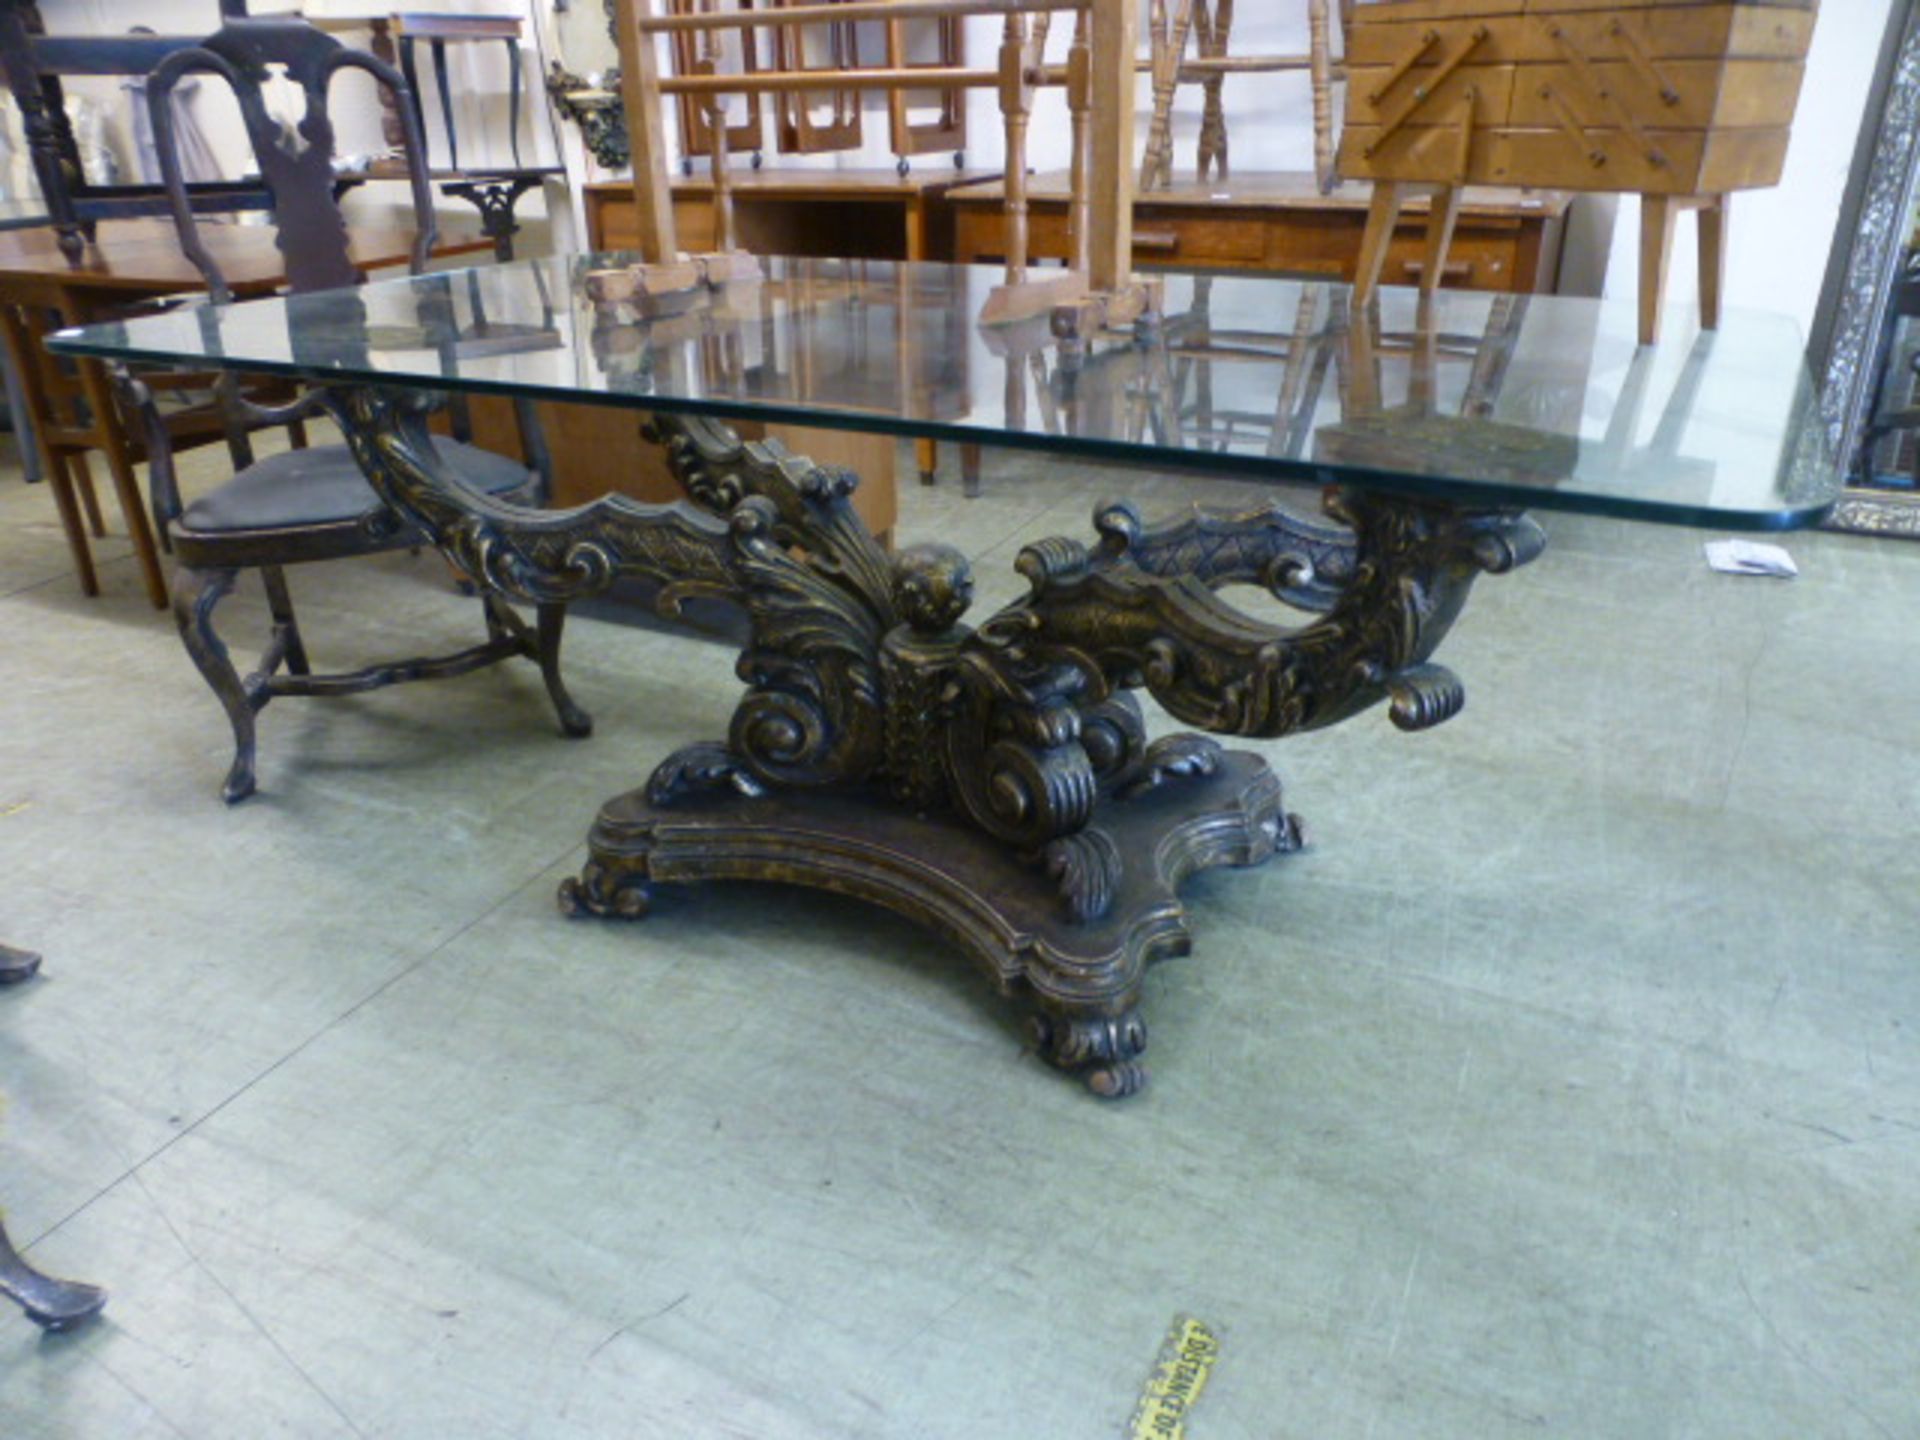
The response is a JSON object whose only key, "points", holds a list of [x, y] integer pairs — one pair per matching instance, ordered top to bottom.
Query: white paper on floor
{"points": [[1750, 557]]}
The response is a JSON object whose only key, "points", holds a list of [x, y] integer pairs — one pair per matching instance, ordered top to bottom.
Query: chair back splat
{"points": [[296, 160]]}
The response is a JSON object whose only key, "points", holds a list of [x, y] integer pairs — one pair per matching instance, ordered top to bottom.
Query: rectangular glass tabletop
{"points": [[1528, 401]]}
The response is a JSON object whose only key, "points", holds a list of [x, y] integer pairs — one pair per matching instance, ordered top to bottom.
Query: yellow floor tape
{"points": [[1186, 1360]]}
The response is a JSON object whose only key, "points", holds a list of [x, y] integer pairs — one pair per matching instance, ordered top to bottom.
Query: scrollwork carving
{"points": [[1412, 563], [860, 669], [695, 768]]}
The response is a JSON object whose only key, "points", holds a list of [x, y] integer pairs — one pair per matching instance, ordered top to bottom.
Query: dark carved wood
{"points": [[298, 171], [495, 198], [312, 235], [997, 783], [17, 965], [1081, 982], [49, 1303]]}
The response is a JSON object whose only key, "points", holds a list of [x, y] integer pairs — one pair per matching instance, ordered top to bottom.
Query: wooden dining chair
{"points": [[308, 503]]}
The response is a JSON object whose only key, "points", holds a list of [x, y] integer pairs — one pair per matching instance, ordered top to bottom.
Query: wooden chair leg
{"points": [[1383, 213], [1657, 214], [1441, 218], [1712, 220], [927, 454], [970, 470], [80, 481], [61, 483], [133, 509], [195, 593], [280, 604], [574, 722]]}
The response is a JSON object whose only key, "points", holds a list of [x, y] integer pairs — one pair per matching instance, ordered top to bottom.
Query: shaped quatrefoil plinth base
{"points": [[1080, 981]]}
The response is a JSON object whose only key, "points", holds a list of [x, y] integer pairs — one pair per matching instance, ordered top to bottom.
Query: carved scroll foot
{"points": [[608, 890], [1081, 976], [1105, 1050], [49, 1303]]}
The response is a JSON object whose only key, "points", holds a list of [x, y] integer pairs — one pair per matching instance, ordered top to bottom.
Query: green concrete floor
{"points": [[1567, 1086]]}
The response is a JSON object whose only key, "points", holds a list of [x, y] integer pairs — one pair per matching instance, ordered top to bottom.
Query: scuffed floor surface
{"points": [[1566, 1087]]}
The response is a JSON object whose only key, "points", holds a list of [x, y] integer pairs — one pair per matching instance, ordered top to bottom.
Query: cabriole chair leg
{"points": [[195, 593], [574, 722]]}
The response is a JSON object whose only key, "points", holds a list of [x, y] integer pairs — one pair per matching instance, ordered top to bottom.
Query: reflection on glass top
{"points": [[24, 214], [1537, 401]]}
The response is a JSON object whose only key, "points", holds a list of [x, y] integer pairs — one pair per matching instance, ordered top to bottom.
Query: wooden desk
{"points": [[851, 214], [858, 214], [1505, 240], [129, 261]]}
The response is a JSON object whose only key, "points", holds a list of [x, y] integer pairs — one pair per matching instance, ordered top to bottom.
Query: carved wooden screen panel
{"points": [[697, 54], [926, 121], [812, 122]]}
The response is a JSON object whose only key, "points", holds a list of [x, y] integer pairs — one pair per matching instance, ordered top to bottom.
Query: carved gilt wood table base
{"points": [[994, 783]]}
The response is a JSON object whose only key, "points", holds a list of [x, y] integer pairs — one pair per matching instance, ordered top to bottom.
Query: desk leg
{"points": [[926, 453], [996, 785]]}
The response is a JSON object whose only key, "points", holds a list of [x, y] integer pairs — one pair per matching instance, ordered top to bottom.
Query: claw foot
{"points": [[608, 892], [1106, 1049]]}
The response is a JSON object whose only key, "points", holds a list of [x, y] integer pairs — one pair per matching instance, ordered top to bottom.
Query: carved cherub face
{"points": [[932, 586]]}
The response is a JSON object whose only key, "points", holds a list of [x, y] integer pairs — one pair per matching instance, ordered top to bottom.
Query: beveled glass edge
{"points": [[1800, 469]]}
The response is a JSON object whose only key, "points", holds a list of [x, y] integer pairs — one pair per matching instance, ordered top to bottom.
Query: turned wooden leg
{"points": [[1383, 213], [1657, 214], [1712, 220], [195, 593], [574, 721]]}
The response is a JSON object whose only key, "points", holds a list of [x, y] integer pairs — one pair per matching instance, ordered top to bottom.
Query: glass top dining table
{"points": [[1536, 401], [993, 779]]}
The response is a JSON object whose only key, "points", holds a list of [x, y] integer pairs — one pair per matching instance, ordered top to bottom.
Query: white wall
{"points": [[478, 75], [1780, 237]]}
